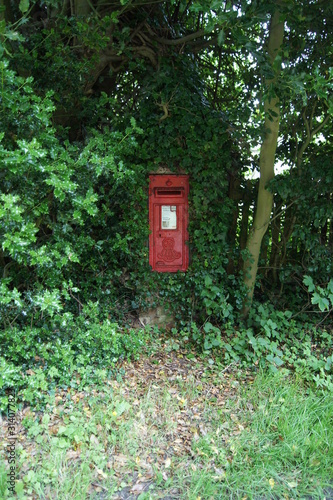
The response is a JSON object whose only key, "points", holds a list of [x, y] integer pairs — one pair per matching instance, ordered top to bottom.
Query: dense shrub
{"points": [[66, 352]]}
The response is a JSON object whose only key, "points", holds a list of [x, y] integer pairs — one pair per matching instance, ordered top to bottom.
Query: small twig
{"points": [[282, 210], [77, 300], [322, 321], [11, 322], [227, 367], [100, 486]]}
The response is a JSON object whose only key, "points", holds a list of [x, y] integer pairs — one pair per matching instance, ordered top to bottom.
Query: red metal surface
{"points": [[168, 220]]}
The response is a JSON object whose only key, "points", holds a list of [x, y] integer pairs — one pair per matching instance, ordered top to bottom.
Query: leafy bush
{"points": [[74, 229], [323, 297], [271, 340], [73, 352]]}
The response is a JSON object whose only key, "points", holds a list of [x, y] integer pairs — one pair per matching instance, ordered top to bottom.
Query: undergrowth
{"points": [[271, 340], [73, 351], [66, 352]]}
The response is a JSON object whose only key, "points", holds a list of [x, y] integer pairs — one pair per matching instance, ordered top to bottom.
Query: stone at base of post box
{"points": [[157, 316]]}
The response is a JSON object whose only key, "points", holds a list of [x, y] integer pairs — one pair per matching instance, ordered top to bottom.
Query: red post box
{"points": [[168, 220]]}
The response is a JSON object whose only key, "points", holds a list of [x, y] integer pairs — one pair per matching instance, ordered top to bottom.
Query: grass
{"points": [[177, 428], [284, 447]]}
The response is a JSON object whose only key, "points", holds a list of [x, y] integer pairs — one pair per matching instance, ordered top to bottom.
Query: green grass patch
{"points": [[277, 443]]}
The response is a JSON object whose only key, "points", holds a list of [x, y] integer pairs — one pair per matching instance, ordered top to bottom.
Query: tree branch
{"points": [[176, 41], [309, 134]]}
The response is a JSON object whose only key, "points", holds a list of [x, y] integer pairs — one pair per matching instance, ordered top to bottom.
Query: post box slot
{"points": [[169, 192]]}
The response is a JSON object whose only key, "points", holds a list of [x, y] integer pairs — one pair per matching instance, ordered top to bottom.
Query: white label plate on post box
{"points": [[169, 217]]}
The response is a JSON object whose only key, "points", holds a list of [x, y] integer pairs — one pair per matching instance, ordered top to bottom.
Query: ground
{"points": [[173, 425]]}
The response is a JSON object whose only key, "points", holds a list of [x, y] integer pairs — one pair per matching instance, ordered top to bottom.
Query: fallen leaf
{"points": [[94, 440], [71, 454], [120, 459], [101, 473], [138, 488]]}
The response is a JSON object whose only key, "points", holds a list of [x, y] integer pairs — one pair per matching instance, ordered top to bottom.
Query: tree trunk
{"points": [[82, 7], [6, 11], [266, 164], [233, 194], [247, 201], [275, 243]]}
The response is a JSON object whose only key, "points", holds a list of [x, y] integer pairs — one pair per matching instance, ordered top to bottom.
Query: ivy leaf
{"points": [[24, 6], [208, 281], [308, 281], [330, 286], [322, 302], [208, 327], [207, 345]]}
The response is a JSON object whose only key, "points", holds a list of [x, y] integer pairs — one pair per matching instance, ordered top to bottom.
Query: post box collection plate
{"points": [[169, 216], [168, 221]]}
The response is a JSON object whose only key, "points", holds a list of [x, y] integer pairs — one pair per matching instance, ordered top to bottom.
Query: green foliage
{"points": [[77, 143], [79, 220], [74, 228], [323, 297], [215, 301], [271, 340], [34, 360]]}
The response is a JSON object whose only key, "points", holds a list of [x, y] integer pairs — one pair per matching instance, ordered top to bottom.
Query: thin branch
{"points": [[93, 8], [184, 12], [176, 41], [218, 75], [312, 114], [321, 125], [309, 133], [281, 211], [77, 300], [322, 321], [100, 486]]}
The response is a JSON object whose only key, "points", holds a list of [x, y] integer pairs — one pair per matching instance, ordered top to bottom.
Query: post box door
{"points": [[169, 239]]}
